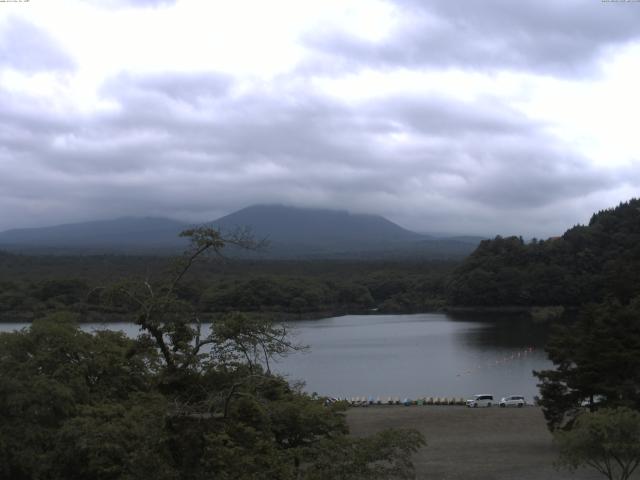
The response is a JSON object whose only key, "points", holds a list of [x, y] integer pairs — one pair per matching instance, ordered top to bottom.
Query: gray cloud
{"points": [[562, 38], [25, 47], [189, 88], [196, 145], [189, 146]]}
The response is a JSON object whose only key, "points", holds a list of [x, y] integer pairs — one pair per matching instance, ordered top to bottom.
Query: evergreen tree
{"points": [[597, 362]]}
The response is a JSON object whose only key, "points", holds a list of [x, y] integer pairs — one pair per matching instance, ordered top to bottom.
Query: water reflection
{"points": [[503, 331], [411, 355]]}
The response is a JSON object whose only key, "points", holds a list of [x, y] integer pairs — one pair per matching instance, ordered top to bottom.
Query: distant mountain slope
{"points": [[318, 228], [292, 233], [120, 234]]}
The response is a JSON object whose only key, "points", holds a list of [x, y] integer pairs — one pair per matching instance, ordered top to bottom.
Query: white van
{"points": [[480, 400], [513, 401]]}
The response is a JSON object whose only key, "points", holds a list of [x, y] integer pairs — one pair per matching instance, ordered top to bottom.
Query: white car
{"points": [[480, 400], [596, 400], [513, 401]]}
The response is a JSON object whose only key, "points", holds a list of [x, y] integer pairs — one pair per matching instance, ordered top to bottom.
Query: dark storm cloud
{"points": [[545, 36], [25, 47], [190, 146]]}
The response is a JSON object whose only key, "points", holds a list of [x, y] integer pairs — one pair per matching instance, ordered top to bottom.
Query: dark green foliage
{"points": [[586, 264], [31, 286], [66, 291], [11, 296], [597, 359], [48, 375], [172, 404], [115, 440], [607, 440], [380, 457]]}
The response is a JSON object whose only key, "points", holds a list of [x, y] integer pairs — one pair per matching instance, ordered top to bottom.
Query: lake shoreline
{"points": [[548, 313], [410, 356]]}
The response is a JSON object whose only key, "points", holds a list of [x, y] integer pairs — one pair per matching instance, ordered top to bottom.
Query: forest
{"points": [[587, 263], [33, 285]]}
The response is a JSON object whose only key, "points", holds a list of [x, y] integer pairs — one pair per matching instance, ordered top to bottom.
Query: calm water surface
{"points": [[408, 355]]}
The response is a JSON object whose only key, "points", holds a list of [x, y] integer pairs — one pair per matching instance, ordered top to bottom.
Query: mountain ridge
{"points": [[315, 226], [129, 231], [293, 232]]}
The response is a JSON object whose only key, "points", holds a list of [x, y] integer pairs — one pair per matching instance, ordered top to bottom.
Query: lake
{"points": [[430, 354]]}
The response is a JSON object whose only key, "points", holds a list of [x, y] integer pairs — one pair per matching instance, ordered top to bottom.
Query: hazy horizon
{"points": [[473, 119], [205, 221]]}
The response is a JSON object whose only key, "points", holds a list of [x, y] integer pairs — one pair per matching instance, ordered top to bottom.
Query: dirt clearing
{"points": [[472, 444]]}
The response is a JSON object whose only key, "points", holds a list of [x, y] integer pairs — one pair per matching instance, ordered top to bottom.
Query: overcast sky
{"points": [[482, 117]]}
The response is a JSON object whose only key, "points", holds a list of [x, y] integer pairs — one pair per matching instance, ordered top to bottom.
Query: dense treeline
{"points": [[586, 264], [33, 286], [383, 291]]}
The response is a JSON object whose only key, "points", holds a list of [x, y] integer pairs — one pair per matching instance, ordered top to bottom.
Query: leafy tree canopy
{"points": [[587, 263], [597, 362], [176, 402], [607, 440]]}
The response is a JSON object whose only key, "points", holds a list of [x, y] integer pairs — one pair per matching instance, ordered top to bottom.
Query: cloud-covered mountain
{"points": [[317, 227], [291, 232]]}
